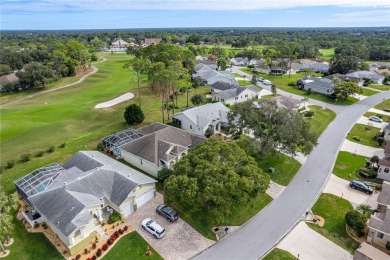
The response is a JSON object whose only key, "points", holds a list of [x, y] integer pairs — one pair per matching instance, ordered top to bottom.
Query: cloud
{"points": [[217, 5], [294, 11], [363, 17]]}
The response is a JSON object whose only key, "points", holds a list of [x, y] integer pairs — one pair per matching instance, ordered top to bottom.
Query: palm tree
{"points": [[136, 65], [365, 209], [6, 227]]}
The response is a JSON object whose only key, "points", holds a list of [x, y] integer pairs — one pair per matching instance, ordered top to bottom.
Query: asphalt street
{"points": [[268, 227]]}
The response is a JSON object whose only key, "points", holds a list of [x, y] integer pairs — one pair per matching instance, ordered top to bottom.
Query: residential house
{"points": [[150, 41], [119, 44], [239, 61], [257, 62], [315, 66], [202, 67], [277, 71], [382, 72], [211, 76], [343, 78], [9, 79], [376, 79], [319, 85], [222, 86], [236, 95], [284, 102], [198, 119], [386, 131], [159, 146], [384, 164], [73, 198], [379, 223], [368, 252]]}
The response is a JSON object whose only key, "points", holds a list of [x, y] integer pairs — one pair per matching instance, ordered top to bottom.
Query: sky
{"points": [[123, 14]]}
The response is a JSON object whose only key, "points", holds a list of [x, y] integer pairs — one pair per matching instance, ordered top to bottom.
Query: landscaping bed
{"points": [[364, 134], [333, 209]]}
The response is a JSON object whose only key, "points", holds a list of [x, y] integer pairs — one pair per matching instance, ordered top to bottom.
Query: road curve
{"points": [[270, 225]]}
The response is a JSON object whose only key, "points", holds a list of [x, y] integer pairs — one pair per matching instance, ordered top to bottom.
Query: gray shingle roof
{"points": [[364, 73], [343, 78], [317, 82], [224, 85], [234, 92], [153, 145], [73, 190], [381, 222]]}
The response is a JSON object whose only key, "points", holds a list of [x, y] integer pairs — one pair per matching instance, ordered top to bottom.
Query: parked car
{"points": [[260, 79], [267, 82], [376, 119], [361, 186], [167, 212], [153, 228]]}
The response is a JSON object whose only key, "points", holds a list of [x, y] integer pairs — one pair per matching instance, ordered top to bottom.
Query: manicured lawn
{"points": [[327, 54], [244, 82], [282, 84], [379, 87], [369, 92], [270, 96], [384, 105], [68, 115], [384, 117], [321, 119], [365, 135], [347, 164], [284, 166], [333, 210], [199, 220], [31, 245], [131, 246], [279, 254]]}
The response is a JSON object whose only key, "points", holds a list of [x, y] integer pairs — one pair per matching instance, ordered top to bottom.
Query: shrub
{"points": [[292, 84], [308, 91], [197, 99], [301, 109], [309, 113], [133, 114], [209, 132], [356, 138], [380, 140], [62, 145], [99, 146], [51, 149], [39, 154], [25, 157], [374, 159], [10, 164], [367, 173], [163, 174], [115, 217], [356, 221], [36, 225], [44, 225], [125, 228], [120, 231], [116, 234], [110, 241], [93, 245], [388, 245], [105, 247], [85, 251], [64, 252], [98, 252], [78, 257], [93, 257], [89, 258]]}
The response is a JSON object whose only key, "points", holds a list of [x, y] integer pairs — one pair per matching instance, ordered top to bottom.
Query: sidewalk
{"points": [[378, 111], [360, 149], [308, 244]]}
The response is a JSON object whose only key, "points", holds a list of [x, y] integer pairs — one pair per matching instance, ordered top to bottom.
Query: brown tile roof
{"points": [[149, 41], [382, 71], [9, 78], [387, 148], [385, 162], [384, 195], [379, 224]]}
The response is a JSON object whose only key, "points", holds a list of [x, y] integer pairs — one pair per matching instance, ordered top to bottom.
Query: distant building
{"points": [[150, 41], [239, 61], [343, 78], [7, 79], [377, 79], [237, 94]]}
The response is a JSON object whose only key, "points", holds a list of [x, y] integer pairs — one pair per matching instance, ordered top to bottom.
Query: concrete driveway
{"points": [[364, 121], [360, 149], [340, 188], [181, 240], [308, 244]]}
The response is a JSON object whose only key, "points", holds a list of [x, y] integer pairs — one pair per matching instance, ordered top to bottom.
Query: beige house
{"points": [[384, 164], [74, 198], [379, 223], [368, 252]]}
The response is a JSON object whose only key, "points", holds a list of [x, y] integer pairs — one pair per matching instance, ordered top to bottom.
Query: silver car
{"points": [[375, 119], [153, 228]]}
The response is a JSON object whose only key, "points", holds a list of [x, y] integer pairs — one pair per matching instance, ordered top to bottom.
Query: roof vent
{"points": [[129, 175], [65, 182], [72, 208]]}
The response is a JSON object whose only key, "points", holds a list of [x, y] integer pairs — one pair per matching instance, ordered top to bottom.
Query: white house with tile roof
{"points": [[236, 95]]}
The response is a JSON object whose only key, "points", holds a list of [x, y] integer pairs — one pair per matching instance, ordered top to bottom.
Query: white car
{"points": [[260, 79], [267, 82], [376, 119], [153, 228]]}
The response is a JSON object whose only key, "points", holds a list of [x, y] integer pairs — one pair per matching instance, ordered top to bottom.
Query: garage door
{"points": [[144, 198], [128, 209]]}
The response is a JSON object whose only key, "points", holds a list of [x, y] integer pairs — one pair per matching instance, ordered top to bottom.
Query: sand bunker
{"points": [[115, 101]]}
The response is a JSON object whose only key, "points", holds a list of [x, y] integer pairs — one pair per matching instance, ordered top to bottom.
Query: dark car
{"points": [[360, 186], [167, 212]]}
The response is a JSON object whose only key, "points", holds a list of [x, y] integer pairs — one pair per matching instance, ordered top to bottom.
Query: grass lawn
{"points": [[327, 54], [244, 82], [282, 84], [379, 87], [369, 92], [384, 105], [384, 117], [321, 119], [365, 135], [347, 164], [284, 166], [333, 210], [199, 220], [32, 246], [131, 246], [279, 254]]}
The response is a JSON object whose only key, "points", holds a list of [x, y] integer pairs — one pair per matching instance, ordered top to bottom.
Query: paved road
{"points": [[269, 226]]}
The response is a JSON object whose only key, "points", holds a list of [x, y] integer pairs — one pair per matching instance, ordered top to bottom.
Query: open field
{"points": [[282, 84], [333, 210]]}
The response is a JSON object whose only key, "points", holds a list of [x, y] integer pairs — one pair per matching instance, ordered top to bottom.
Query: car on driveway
{"points": [[260, 79], [267, 82], [375, 119], [361, 186], [167, 212], [153, 228]]}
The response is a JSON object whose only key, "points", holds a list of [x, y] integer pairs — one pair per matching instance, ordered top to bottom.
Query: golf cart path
{"points": [[94, 70]]}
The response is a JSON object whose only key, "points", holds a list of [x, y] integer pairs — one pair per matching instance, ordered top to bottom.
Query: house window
{"points": [[327, 90], [246, 95], [190, 126], [141, 161], [386, 170], [78, 233], [379, 235]]}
